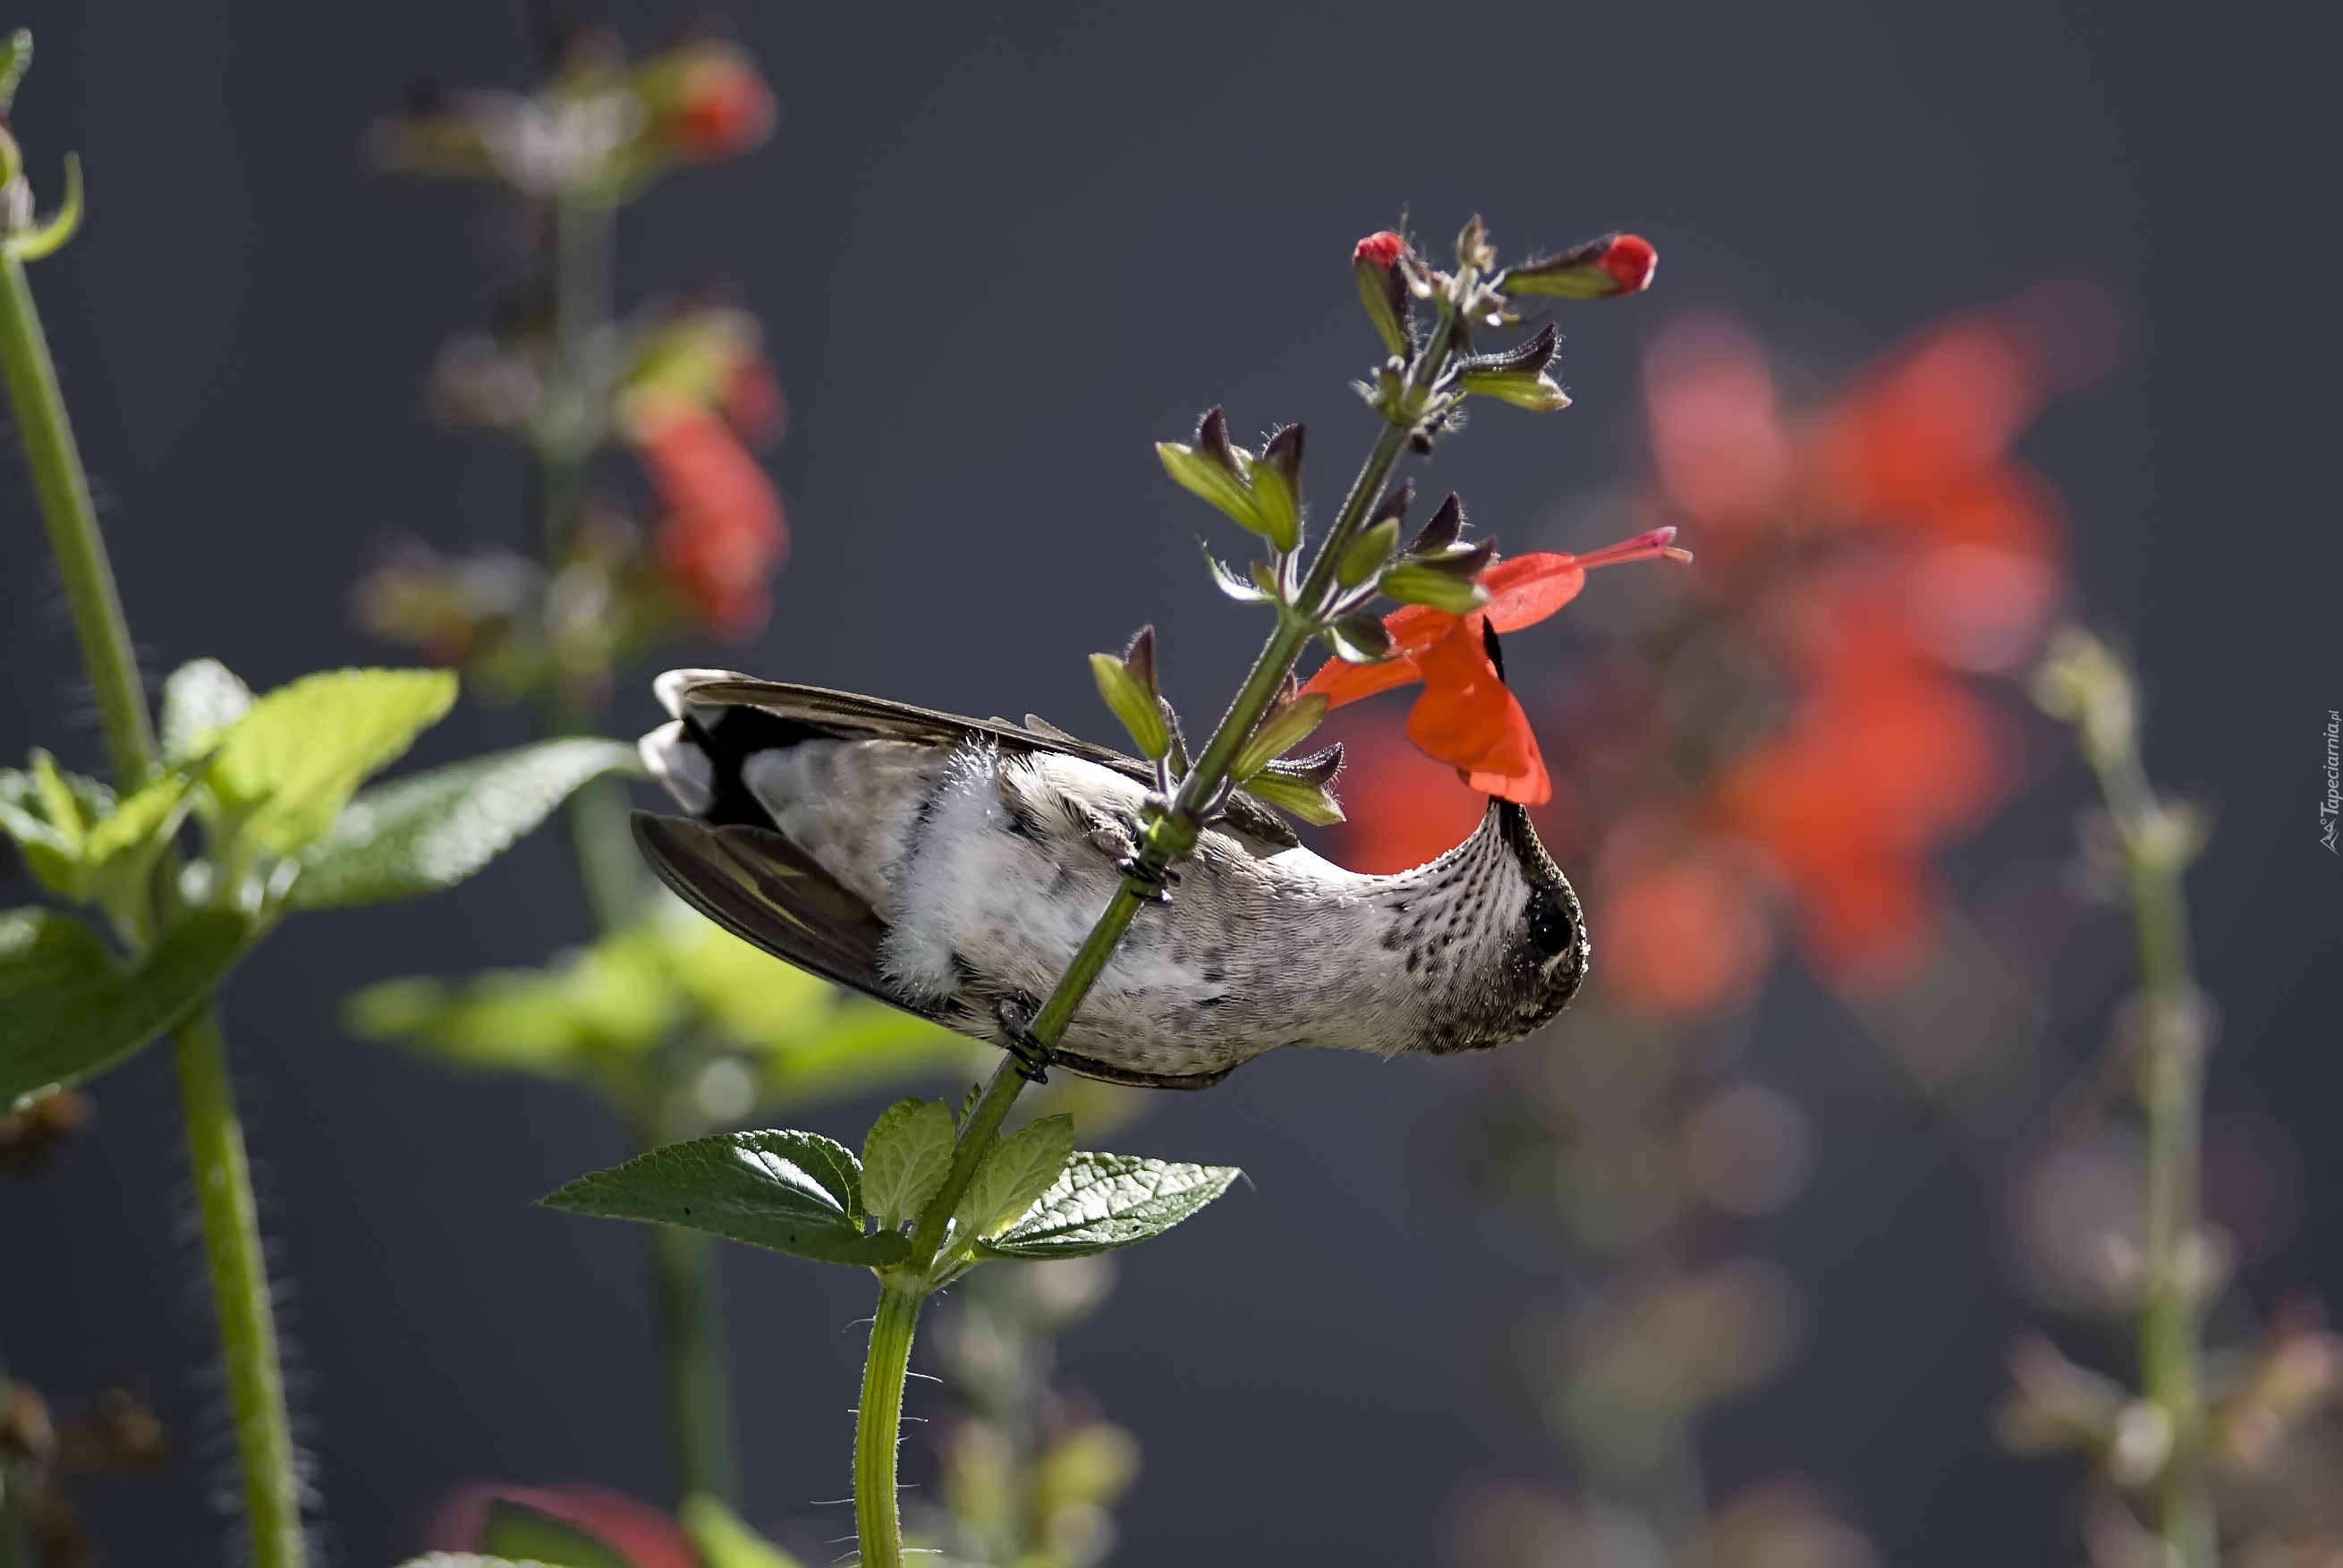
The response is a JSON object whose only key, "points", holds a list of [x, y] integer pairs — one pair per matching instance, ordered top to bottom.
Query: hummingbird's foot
{"points": [[1116, 843], [1158, 883], [1032, 1056]]}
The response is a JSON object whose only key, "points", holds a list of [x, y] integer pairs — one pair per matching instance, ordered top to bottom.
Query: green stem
{"points": [[574, 415], [572, 427], [62, 488], [1169, 836], [608, 866], [2170, 1087], [2171, 1102], [240, 1297], [247, 1324], [699, 1416], [878, 1422]]}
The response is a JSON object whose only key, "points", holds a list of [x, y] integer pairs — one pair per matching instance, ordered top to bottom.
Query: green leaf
{"points": [[202, 701], [288, 767], [430, 830], [81, 842], [51, 853], [613, 1000], [68, 1009], [813, 1042], [905, 1158], [1019, 1169], [794, 1193], [1101, 1201], [516, 1532], [723, 1542]]}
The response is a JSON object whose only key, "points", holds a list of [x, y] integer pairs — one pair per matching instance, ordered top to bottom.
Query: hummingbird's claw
{"points": [[1032, 1056]]}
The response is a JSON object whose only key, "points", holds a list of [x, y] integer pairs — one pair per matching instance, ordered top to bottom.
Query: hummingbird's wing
{"points": [[843, 715], [764, 890]]}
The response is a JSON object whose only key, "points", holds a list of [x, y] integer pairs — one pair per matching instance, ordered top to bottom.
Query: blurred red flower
{"points": [[707, 103], [724, 533], [1466, 716], [1800, 731], [640, 1534]]}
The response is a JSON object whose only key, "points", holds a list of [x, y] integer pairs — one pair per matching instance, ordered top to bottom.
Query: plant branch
{"points": [[62, 488], [2087, 684], [1172, 834], [2171, 1098], [240, 1295], [698, 1406], [878, 1426]]}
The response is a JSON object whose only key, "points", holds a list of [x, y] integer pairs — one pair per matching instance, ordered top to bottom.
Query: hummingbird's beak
{"points": [[1489, 645]]}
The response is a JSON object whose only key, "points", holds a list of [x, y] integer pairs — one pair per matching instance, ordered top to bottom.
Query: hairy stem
{"points": [[62, 488], [1169, 837], [2170, 1087], [239, 1279], [240, 1297], [700, 1413], [878, 1422]]}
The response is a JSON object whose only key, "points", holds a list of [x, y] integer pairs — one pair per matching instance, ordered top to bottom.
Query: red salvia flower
{"points": [[1383, 248], [724, 534], [1466, 717]]}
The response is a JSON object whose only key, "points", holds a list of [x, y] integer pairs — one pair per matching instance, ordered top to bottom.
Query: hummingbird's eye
{"points": [[1550, 927]]}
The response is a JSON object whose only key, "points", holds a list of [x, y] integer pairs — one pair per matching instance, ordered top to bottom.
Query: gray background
{"points": [[1000, 249]]}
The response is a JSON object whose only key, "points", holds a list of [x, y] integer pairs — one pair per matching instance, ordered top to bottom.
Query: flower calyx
{"points": [[1603, 267], [1261, 493], [1127, 684]]}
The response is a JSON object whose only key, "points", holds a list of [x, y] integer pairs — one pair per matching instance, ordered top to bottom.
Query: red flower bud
{"points": [[707, 103], [1631, 261], [1612, 265], [1382, 289]]}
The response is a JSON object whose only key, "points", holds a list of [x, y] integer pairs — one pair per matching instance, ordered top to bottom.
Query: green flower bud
{"points": [[1538, 394], [1365, 555], [1424, 583], [1359, 638], [1134, 704], [1287, 725], [1313, 803]]}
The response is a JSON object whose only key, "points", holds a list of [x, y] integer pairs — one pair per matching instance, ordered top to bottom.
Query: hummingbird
{"points": [[951, 867]]}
